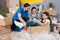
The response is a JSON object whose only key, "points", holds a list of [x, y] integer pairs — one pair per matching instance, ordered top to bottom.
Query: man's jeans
{"points": [[17, 28]]}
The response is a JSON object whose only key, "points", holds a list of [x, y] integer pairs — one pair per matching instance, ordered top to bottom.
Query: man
{"points": [[20, 18]]}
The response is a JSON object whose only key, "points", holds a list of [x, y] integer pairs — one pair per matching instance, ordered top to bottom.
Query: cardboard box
{"points": [[8, 3], [52, 12], [9, 15], [8, 21], [2, 22], [5, 25], [58, 26], [38, 29], [5, 30], [5, 37], [8, 38]]}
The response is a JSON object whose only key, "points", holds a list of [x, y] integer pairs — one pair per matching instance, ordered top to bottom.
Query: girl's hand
{"points": [[35, 20], [56, 31]]}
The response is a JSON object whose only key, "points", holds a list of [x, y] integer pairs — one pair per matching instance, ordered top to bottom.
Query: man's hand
{"points": [[20, 18], [24, 24]]}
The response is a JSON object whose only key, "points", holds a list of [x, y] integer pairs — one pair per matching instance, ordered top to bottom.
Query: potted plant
{"points": [[51, 6], [3, 12]]}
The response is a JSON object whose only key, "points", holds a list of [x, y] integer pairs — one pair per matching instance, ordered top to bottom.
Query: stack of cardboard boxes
{"points": [[5, 24], [5, 27]]}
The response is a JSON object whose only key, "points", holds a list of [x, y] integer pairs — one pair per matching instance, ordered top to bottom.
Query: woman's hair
{"points": [[33, 8], [47, 14]]}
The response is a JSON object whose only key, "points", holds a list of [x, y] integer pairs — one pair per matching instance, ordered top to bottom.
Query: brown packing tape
{"points": [[5, 25], [38, 29]]}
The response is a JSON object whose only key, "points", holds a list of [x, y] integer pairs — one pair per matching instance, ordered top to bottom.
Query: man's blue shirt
{"points": [[23, 13]]}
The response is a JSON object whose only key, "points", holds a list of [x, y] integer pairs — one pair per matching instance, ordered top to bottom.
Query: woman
{"points": [[33, 17]]}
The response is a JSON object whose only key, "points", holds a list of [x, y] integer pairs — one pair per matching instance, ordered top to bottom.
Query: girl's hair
{"points": [[33, 8], [47, 14]]}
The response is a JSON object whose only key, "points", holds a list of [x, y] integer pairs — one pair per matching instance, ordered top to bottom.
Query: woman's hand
{"points": [[30, 20]]}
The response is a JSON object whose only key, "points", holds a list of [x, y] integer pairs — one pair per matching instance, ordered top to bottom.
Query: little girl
{"points": [[45, 19]]}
